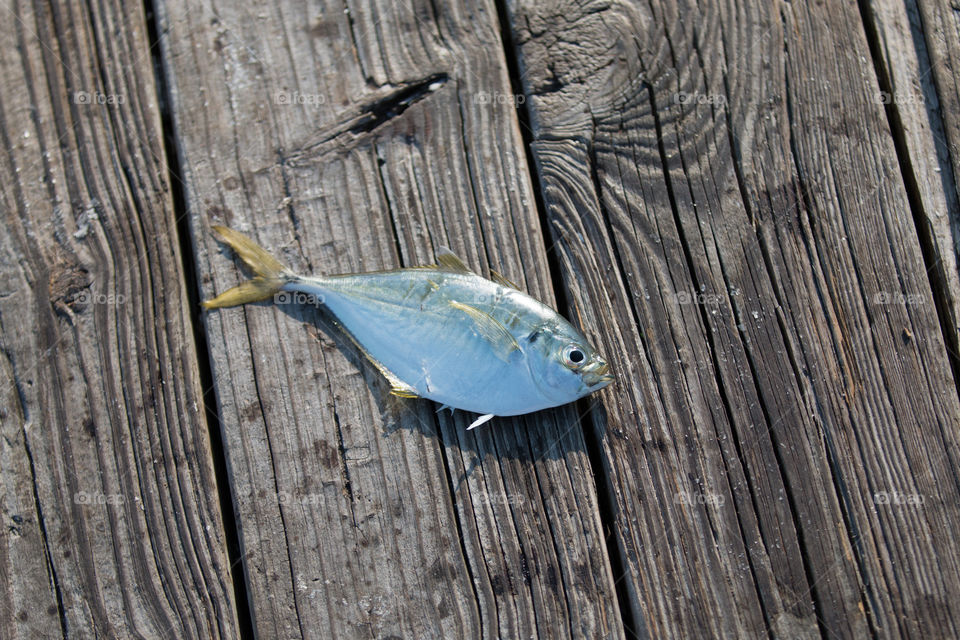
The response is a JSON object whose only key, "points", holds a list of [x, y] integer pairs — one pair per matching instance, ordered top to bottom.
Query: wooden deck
{"points": [[750, 206]]}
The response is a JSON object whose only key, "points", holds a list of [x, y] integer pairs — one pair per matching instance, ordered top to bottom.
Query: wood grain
{"points": [[939, 23], [915, 51], [351, 138], [721, 181], [751, 207], [111, 520]]}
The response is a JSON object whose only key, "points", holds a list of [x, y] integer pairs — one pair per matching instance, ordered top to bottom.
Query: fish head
{"points": [[563, 364]]}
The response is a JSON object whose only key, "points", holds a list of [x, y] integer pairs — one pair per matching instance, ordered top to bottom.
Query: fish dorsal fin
{"points": [[448, 261], [501, 280], [502, 342]]}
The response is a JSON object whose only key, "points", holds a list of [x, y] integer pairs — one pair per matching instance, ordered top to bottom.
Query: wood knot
{"points": [[67, 286]]}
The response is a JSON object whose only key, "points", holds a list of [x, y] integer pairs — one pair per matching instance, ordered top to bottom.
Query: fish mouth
{"points": [[596, 375]]}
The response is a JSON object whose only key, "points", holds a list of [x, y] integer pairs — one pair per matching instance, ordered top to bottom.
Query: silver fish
{"points": [[442, 332]]}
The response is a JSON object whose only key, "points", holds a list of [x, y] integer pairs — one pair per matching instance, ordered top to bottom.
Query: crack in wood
{"points": [[375, 114], [364, 119], [176, 184], [614, 558]]}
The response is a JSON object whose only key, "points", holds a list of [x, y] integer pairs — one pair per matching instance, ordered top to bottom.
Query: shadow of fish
{"points": [[441, 332]]}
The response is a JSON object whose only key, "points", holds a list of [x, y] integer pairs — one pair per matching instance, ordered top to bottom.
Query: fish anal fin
{"points": [[448, 261], [501, 280], [502, 341], [398, 387], [402, 391]]}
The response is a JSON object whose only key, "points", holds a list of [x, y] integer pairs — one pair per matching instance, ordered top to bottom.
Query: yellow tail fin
{"points": [[269, 274]]}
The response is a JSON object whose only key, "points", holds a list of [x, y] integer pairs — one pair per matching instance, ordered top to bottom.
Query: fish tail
{"points": [[270, 275]]}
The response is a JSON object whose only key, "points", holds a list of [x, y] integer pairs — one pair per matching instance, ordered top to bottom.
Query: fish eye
{"points": [[573, 356]]}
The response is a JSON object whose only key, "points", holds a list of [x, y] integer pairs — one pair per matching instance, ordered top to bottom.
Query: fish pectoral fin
{"points": [[448, 261], [500, 279], [501, 340], [479, 421]]}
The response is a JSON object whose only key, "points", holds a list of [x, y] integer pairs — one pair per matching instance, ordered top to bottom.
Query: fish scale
{"points": [[442, 332]]}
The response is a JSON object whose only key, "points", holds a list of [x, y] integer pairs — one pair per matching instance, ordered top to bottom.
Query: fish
{"points": [[439, 331]]}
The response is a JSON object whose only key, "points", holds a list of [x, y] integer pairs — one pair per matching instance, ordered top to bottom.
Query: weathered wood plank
{"points": [[940, 24], [918, 53], [349, 138], [768, 298], [111, 520], [29, 606]]}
